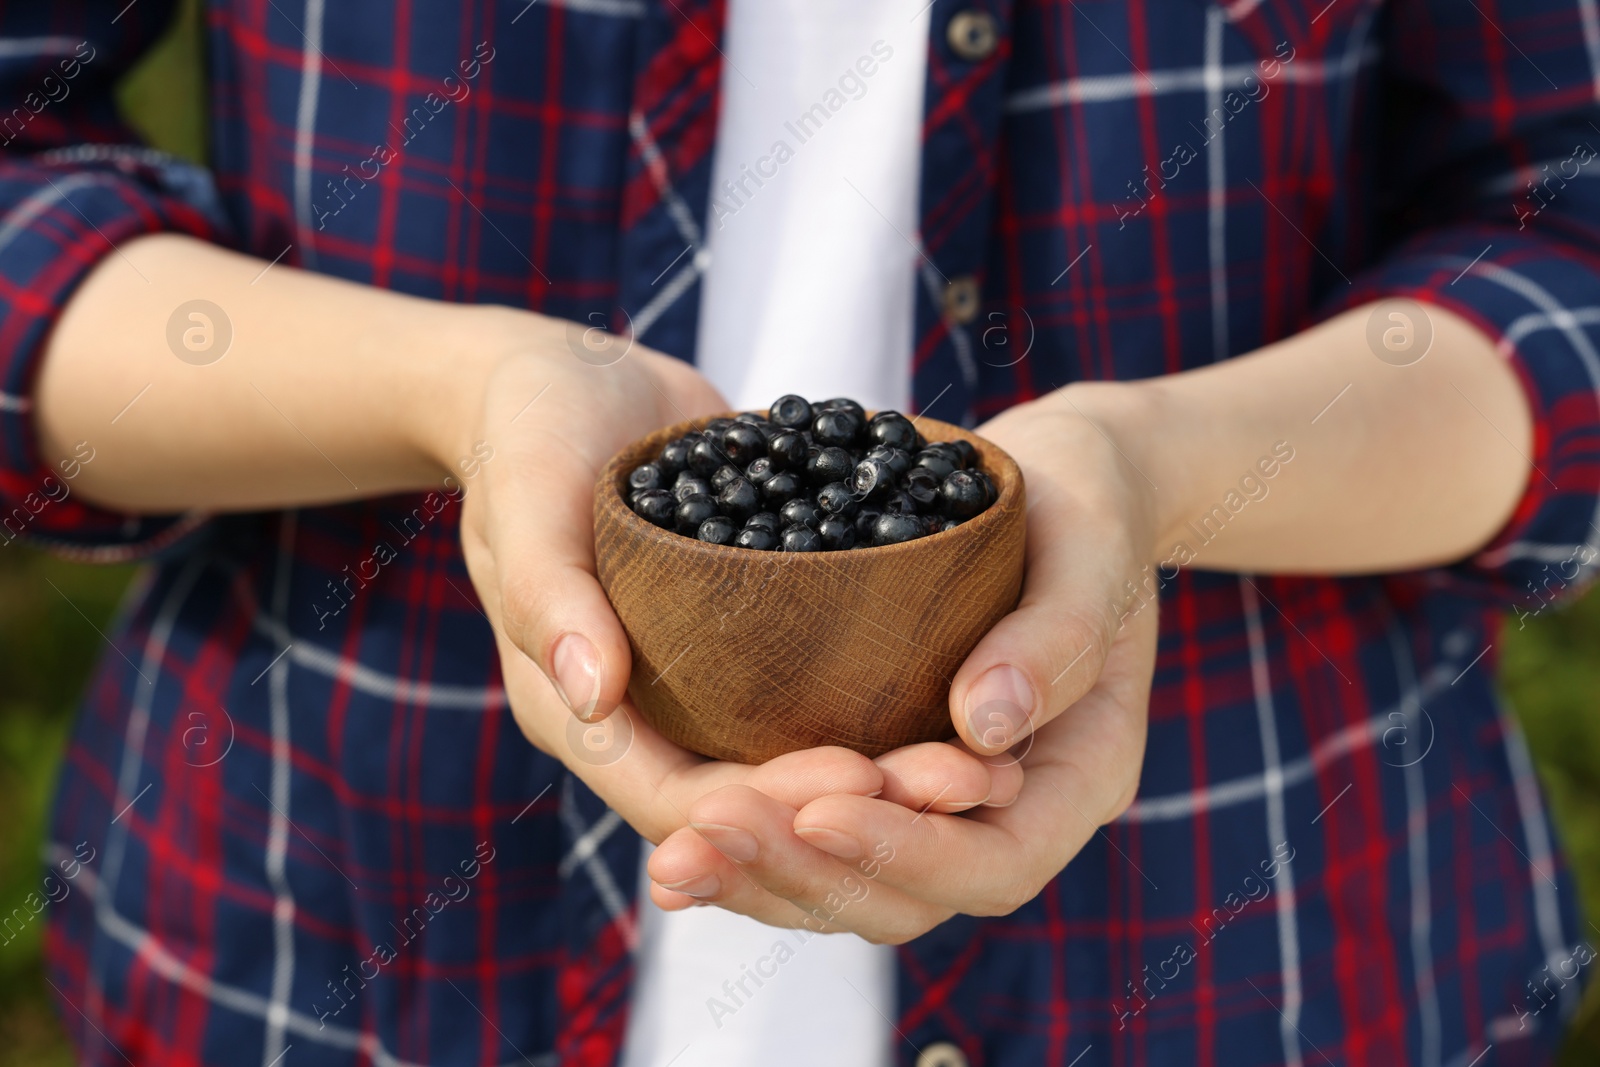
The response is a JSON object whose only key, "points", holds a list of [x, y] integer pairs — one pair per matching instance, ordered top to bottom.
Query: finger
{"points": [[1049, 651], [946, 777], [797, 778], [793, 779], [754, 839], [966, 864], [688, 868]]}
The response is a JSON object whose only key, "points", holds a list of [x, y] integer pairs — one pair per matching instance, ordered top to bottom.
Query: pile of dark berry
{"points": [[809, 478]]}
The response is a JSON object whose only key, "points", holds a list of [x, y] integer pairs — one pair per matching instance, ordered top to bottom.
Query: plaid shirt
{"points": [[334, 846]]}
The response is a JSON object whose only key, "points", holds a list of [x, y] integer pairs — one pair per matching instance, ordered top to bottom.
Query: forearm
{"points": [[328, 390], [1392, 467]]}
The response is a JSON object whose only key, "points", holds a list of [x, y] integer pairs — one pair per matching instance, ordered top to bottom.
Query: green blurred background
{"points": [[47, 648]]}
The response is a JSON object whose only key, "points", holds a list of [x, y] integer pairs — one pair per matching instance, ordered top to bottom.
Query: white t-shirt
{"points": [[811, 284], [810, 290]]}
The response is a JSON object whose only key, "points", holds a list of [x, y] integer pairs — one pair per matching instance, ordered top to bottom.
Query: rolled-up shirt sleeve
{"points": [[1490, 177], [74, 186]]}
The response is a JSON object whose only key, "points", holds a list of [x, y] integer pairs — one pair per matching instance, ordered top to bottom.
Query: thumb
{"points": [[688, 394], [551, 605], [554, 608], [1049, 652]]}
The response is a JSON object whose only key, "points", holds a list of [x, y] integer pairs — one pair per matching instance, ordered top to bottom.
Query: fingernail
{"points": [[576, 673], [1000, 707], [832, 842], [738, 845], [701, 885]]}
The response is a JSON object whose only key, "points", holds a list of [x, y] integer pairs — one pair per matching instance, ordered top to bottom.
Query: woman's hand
{"points": [[554, 420], [1063, 683]]}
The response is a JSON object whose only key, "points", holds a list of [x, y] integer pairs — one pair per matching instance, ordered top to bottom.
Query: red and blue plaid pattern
{"points": [[1339, 855]]}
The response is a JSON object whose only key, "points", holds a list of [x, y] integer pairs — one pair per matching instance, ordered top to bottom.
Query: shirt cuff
{"points": [[61, 213], [1540, 304]]}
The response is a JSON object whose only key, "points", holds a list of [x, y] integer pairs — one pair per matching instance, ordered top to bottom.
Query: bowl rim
{"points": [[1011, 496]]}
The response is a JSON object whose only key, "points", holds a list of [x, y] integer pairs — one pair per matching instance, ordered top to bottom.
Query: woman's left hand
{"points": [[1062, 684]]}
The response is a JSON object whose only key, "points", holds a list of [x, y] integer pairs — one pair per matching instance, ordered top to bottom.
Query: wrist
{"points": [[453, 356], [1139, 421]]}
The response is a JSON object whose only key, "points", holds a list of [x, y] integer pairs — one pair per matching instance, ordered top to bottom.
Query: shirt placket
{"points": [[968, 50], [672, 127]]}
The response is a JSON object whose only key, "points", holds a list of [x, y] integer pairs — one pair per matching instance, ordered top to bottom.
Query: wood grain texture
{"points": [[745, 655]]}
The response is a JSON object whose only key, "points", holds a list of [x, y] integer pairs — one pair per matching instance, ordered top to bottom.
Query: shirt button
{"points": [[972, 35], [961, 299], [941, 1054]]}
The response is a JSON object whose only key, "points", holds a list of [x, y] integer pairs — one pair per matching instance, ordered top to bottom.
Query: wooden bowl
{"points": [[745, 655]]}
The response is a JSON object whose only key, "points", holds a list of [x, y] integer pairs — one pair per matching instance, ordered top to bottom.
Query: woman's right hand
{"points": [[554, 415]]}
